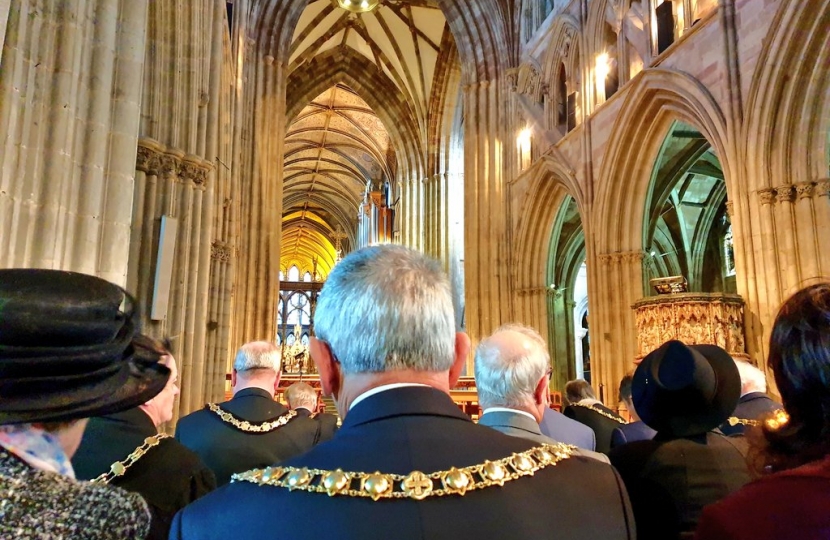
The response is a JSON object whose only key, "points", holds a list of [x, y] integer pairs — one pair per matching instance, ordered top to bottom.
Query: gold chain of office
{"points": [[601, 412], [250, 427], [119, 468], [415, 485]]}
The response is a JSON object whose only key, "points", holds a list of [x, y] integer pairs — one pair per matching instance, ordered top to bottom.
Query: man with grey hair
{"points": [[512, 369], [302, 398], [754, 402], [585, 408], [251, 430], [407, 463]]}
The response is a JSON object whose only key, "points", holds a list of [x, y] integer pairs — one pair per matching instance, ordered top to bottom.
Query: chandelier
{"points": [[359, 6]]}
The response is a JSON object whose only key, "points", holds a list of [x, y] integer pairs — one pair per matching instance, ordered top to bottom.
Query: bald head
{"points": [[509, 366]]}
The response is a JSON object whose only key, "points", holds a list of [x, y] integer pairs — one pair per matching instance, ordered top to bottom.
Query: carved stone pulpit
{"points": [[693, 318]]}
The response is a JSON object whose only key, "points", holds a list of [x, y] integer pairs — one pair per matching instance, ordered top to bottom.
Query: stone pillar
{"points": [[69, 105], [821, 207], [785, 234], [485, 239], [808, 254]]}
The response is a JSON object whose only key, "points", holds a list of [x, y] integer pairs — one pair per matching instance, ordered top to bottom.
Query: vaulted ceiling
{"points": [[337, 142]]}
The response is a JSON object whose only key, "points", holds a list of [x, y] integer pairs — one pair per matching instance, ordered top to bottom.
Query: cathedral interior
{"points": [[567, 161]]}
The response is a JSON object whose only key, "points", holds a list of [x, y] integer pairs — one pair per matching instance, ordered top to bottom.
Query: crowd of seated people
{"points": [[707, 454]]}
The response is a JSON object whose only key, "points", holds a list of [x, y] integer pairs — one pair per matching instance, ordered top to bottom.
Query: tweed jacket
{"points": [[519, 425], [408, 429], [228, 450], [168, 476], [44, 505]]}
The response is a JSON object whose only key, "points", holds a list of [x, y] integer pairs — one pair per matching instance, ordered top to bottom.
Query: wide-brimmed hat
{"points": [[66, 348], [683, 390]]}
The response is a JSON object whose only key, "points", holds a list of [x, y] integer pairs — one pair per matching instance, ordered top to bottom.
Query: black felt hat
{"points": [[66, 348], [682, 390]]}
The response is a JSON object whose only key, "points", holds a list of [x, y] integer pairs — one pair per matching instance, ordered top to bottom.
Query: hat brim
{"points": [[139, 379], [668, 412]]}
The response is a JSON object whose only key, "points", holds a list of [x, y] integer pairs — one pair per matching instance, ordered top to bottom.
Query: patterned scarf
{"points": [[39, 448]]}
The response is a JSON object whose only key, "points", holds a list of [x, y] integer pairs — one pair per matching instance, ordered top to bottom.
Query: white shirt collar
{"points": [[379, 389], [589, 401], [505, 409]]}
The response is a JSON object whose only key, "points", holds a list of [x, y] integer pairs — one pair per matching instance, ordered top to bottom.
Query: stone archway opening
{"points": [[687, 229], [567, 280]]}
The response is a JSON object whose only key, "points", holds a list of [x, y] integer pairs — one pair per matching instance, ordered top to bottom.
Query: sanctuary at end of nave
{"points": [[612, 173]]}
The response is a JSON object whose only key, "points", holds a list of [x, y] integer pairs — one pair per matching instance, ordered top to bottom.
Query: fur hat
{"points": [[66, 348]]}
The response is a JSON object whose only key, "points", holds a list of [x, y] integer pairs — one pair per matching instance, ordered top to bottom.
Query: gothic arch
{"points": [[481, 33], [790, 90], [661, 97]]}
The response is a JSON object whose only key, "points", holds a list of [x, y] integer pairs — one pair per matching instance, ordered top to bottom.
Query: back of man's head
{"points": [[387, 308], [257, 355], [509, 365], [752, 378], [578, 390], [302, 395], [625, 395]]}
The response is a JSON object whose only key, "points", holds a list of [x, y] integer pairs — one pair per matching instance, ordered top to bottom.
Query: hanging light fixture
{"points": [[359, 6]]}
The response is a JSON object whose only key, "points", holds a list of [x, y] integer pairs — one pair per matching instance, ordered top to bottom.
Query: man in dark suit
{"points": [[512, 369], [682, 392], [302, 398], [754, 402], [586, 408], [557, 426], [636, 429], [251, 430], [407, 463], [166, 474]]}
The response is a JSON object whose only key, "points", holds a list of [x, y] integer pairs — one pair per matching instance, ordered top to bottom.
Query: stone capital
{"points": [[169, 165], [823, 187], [805, 190], [785, 193], [766, 195]]}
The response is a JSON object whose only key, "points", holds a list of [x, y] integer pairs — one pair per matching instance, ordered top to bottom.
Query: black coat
{"points": [[751, 406], [327, 424], [602, 425], [417, 428], [228, 450], [168, 476], [671, 480]]}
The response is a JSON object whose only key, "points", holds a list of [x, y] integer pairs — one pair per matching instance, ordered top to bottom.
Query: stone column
{"points": [[69, 103], [821, 207], [785, 235], [808, 254], [486, 260]]}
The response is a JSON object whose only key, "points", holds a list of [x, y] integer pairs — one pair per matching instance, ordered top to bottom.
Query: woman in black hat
{"points": [[66, 353], [683, 392], [792, 448]]}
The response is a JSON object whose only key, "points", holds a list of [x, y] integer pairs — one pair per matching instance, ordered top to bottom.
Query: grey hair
{"points": [[387, 308], [257, 355], [504, 378], [752, 378], [578, 390], [301, 394]]}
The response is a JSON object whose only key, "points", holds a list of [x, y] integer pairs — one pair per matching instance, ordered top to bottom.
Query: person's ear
{"points": [[462, 349], [327, 366], [233, 378], [277, 382], [541, 394]]}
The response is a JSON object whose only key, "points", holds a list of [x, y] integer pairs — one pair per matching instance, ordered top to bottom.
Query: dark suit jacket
{"points": [[750, 407], [326, 424], [602, 425], [559, 427], [417, 428], [634, 431], [228, 450], [168, 476], [670, 481], [789, 504]]}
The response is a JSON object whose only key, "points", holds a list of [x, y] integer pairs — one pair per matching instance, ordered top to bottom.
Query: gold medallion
{"points": [[417, 485]]}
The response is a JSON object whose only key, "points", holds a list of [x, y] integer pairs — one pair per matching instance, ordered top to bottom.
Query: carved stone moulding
{"points": [[155, 158], [221, 252], [693, 318]]}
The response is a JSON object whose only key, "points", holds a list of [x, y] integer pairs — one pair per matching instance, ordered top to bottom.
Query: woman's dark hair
{"points": [[799, 356]]}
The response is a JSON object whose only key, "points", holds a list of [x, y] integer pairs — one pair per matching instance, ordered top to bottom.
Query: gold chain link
{"points": [[600, 411], [734, 421], [251, 427], [119, 468], [415, 485]]}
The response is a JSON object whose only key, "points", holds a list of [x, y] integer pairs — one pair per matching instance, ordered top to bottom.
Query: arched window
{"points": [[562, 117], [729, 252], [294, 273], [282, 276], [307, 277], [279, 312], [279, 339], [290, 339], [304, 339]]}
